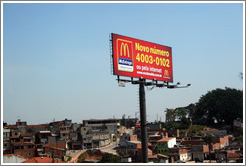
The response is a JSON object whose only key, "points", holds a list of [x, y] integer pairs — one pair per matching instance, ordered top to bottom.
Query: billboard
{"points": [[138, 58]]}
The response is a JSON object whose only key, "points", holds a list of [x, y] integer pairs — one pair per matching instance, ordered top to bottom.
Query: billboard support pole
{"points": [[126, 61], [143, 121]]}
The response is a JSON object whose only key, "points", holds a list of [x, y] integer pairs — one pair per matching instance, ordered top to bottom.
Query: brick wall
{"points": [[224, 141], [26, 151]]}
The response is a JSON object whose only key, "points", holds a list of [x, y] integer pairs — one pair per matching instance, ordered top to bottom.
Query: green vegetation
{"points": [[221, 105], [216, 108], [177, 118], [194, 130], [82, 157], [69, 158], [110, 158]]}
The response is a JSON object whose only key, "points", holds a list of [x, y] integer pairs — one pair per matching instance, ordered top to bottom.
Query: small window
{"points": [[30, 146]]}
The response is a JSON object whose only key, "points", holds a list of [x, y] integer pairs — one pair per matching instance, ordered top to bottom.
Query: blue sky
{"points": [[56, 57]]}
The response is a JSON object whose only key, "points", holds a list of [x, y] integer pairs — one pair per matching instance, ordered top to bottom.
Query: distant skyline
{"points": [[56, 57]]}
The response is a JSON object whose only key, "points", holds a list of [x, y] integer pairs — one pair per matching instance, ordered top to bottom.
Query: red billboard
{"points": [[138, 58]]}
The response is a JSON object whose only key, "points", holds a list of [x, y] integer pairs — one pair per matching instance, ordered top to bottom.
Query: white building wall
{"points": [[171, 143], [184, 157], [13, 159]]}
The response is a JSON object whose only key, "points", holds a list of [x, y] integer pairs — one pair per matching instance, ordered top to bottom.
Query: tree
{"points": [[221, 105], [191, 112], [182, 114], [170, 115], [177, 118], [195, 130], [209, 140]]}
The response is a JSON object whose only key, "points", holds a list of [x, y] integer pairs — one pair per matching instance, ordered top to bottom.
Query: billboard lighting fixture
{"points": [[153, 83], [176, 86]]}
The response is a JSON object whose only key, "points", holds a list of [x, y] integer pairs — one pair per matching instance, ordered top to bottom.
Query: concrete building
{"points": [[110, 125], [99, 132], [125, 138], [94, 139], [6, 141], [165, 143], [25, 146], [199, 152], [179, 153], [159, 158]]}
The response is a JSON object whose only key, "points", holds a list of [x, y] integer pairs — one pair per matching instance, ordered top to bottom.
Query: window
{"points": [[17, 147]]}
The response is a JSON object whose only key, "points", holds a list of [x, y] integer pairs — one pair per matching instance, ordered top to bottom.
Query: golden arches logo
{"points": [[124, 48], [166, 74]]}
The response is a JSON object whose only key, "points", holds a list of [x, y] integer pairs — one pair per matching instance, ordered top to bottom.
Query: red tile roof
{"points": [[11, 126], [37, 126], [26, 135], [13, 137], [165, 139], [23, 143], [57, 145], [139, 146], [140, 149], [160, 155], [234, 155], [42, 160]]}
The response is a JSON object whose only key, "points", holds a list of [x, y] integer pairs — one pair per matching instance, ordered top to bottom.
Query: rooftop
{"points": [[165, 139], [158, 155], [42, 160]]}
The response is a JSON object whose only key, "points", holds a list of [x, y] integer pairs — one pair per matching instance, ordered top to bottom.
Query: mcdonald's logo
{"points": [[124, 48], [124, 55], [166, 74]]}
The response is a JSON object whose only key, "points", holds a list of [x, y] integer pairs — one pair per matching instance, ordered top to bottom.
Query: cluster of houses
{"points": [[52, 141], [171, 146]]}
